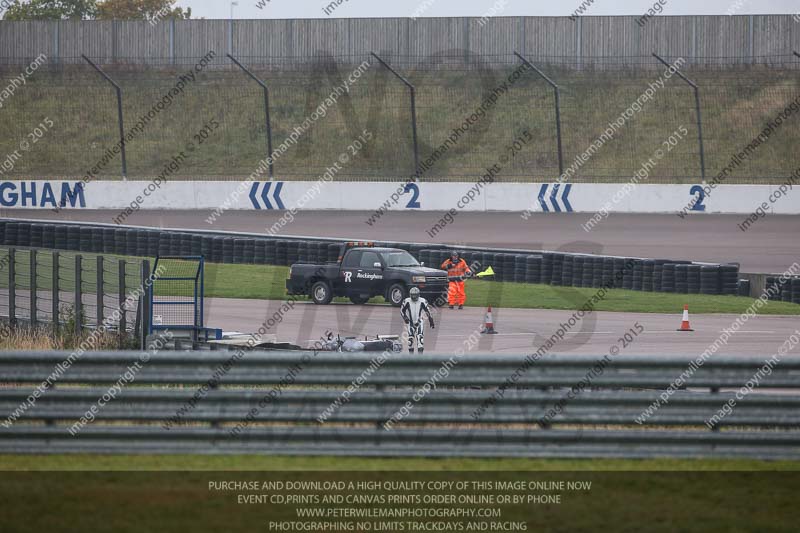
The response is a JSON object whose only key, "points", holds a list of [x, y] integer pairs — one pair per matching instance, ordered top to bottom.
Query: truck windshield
{"points": [[399, 259]]}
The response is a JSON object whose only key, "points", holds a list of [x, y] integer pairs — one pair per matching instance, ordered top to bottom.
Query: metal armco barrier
{"points": [[528, 266], [287, 393]]}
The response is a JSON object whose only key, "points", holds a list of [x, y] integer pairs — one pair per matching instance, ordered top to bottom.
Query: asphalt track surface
{"points": [[771, 245], [520, 330]]}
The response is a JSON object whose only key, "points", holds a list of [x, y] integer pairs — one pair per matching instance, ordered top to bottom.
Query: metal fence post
{"points": [[118, 89], [413, 94], [266, 111], [698, 111], [558, 112], [32, 285], [12, 288], [100, 291], [55, 295], [78, 295], [144, 302], [123, 322]]}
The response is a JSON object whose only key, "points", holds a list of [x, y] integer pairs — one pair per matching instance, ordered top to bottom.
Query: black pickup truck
{"points": [[364, 271]]}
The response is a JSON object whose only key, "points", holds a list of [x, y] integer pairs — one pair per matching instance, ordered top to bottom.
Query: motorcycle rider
{"points": [[411, 310]]}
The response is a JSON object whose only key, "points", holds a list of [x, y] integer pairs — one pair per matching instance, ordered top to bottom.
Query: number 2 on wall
{"points": [[414, 189], [701, 197]]}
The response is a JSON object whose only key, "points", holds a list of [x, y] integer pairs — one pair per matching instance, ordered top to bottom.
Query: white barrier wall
{"points": [[373, 196]]}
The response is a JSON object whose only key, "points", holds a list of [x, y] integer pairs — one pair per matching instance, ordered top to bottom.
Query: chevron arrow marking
{"points": [[567, 189], [253, 191], [542, 192], [264, 193], [277, 195], [553, 199]]}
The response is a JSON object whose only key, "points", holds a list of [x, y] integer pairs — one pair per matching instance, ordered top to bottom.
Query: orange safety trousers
{"points": [[456, 294]]}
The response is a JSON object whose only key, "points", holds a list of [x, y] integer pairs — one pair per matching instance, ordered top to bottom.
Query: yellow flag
{"points": [[487, 272]]}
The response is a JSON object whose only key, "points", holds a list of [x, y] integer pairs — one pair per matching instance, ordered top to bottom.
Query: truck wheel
{"points": [[321, 293], [396, 294], [359, 300]]}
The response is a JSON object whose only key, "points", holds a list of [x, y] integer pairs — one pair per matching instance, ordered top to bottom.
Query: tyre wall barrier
{"points": [[509, 265]]}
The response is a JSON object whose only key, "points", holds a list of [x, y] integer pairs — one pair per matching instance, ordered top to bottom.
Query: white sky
{"points": [[248, 9]]}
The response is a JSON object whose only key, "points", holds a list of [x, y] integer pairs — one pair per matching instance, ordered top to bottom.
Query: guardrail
{"points": [[523, 266], [285, 395]]}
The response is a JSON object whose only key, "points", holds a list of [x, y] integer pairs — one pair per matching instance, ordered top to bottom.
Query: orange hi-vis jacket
{"points": [[457, 270]]}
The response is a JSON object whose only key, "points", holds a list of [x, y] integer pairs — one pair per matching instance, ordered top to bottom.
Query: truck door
{"points": [[347, 274], [369, 277]]}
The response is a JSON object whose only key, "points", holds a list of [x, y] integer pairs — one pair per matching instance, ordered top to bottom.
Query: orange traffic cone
{"points": [[685, 323], [488, 326]]}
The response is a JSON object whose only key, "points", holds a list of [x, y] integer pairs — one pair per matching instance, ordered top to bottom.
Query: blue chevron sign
{"points": [[265, 196], [554, 197]]}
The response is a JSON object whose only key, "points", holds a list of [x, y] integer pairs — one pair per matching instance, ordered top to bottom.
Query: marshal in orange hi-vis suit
{"points": [[457, 270]]}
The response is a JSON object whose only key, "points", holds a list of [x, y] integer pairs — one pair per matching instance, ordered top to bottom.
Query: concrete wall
{"points": [[370, 196]]}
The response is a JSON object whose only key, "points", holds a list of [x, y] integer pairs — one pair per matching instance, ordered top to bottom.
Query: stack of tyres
{"points": [[3, 231], [11, 233], [23, 234], [36, 236], [49, 236], [60, 237], [86, 239], [97, 240], [109, 241], [121, 242], [142, 243], [152, 243], [165, 244], [187, 245], [196, 247], [207, 248], [218, 250], [228, 250], [238, 251], [249, 251], [259, 251], [270, 252], [281, 252], [292, 252], [302, 252], [333, 252], [312, 254], [509, 263], [648, 265], [500, 268], [520, 268], [547, 268], [558, 268], [533, 269], [598, 269], [622, 269], [567, 270], [577, 271], [608, 272], [658, 274], [587, 277], [668, 277], [637, 278], [682, 279], [693, 279], [709, 279], [730, 279], [795, 283], [786, 291]]}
